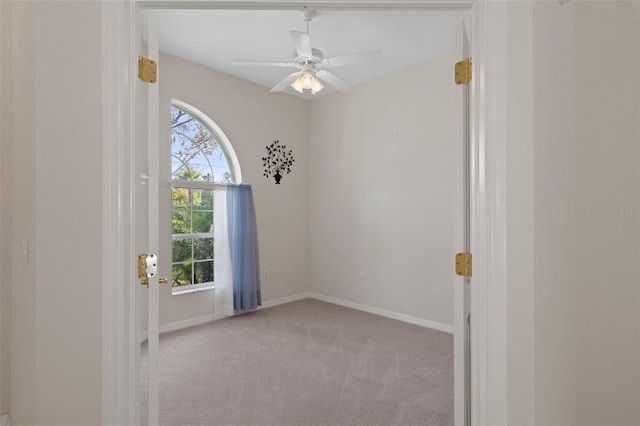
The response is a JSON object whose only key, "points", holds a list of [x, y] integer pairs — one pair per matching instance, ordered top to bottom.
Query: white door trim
{"points": [[488, 215], [488, 288], [119, 362]]}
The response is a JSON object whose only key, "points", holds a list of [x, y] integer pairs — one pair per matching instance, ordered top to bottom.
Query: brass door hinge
{"points": [[147, 70], [463, 71], [464, 267]]}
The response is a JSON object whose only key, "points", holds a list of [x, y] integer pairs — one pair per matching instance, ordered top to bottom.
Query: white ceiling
{"points": [[216, 37]]}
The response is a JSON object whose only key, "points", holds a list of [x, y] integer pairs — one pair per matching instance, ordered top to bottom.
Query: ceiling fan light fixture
{"points": [[307, 81], [297, 85], [317, 86]]}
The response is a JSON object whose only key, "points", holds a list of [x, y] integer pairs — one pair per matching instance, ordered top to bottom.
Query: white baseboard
{"points": [[310, 295], [288, 299], [384, 313], [186, 323], [178, 325], [5, 421]]}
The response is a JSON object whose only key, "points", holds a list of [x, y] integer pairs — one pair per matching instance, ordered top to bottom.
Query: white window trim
{"points": [[195, 184], [194, 235], [193, 288]]}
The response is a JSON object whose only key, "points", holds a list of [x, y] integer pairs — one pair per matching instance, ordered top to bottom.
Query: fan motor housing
{"points": [[316, 59]]}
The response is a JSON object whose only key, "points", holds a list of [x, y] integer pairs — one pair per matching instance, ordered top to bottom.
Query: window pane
{"points": [[196, 153], [220, 165], [179, 197], [202, 199], [180, 222], [202, 222], [203, 248], [182, 250], [204, 272], [181, 274]]}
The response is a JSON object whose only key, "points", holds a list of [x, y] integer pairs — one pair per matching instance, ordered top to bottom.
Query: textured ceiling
{"points": [[216, 37]]}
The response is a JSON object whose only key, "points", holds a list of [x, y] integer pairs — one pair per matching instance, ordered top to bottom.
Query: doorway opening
{"points": [[117, 83], [426, 142]]}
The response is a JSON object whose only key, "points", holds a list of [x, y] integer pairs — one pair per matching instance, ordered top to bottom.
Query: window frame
{"points": [[236, 178]]}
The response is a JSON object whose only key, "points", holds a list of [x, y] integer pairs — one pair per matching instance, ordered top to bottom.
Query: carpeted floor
{"points": [[306, 363]]}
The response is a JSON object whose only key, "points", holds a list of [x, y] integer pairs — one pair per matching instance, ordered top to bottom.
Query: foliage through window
{"points": [[198, 161]]}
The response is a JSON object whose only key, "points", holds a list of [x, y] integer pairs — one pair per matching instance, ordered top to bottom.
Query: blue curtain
{"points": [[243, 246]]}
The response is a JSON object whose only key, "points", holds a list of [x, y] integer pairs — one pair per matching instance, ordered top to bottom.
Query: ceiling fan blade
{"points": [[302, 43], [355, 58], [264, 63], [286, 81], [336, 82]]}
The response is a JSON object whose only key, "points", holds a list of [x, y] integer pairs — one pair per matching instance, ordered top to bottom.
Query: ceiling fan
{"points": [[311, 64]]}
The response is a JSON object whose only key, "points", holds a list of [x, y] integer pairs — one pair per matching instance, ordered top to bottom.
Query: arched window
{"points": [[200, 151], [201, 156]]}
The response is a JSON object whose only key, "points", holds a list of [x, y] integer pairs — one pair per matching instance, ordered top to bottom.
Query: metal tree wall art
{"points": [[278, 161]]}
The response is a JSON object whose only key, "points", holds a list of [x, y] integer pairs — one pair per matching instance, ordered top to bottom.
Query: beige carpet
{"points": [[306, 363]]}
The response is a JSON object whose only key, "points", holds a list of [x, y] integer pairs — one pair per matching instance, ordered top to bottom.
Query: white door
{"points": [[147, 226], [462, 238]]}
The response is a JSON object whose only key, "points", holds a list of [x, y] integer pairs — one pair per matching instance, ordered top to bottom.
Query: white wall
{"points": [[607, 111], [251, 117], [410, 132], [586, 156], [56, 172], [23, 189], [554, 189], [380, 191], [520, 209], [5, 212], [68, 213]]}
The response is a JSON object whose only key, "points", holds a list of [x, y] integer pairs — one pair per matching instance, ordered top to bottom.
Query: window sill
{"points": [[178, 291]]}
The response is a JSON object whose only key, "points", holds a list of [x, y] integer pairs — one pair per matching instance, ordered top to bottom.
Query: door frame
{"points": [[488, 191]]}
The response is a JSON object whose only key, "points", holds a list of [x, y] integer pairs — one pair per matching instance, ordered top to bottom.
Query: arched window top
{"points": [[200, 151]]}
